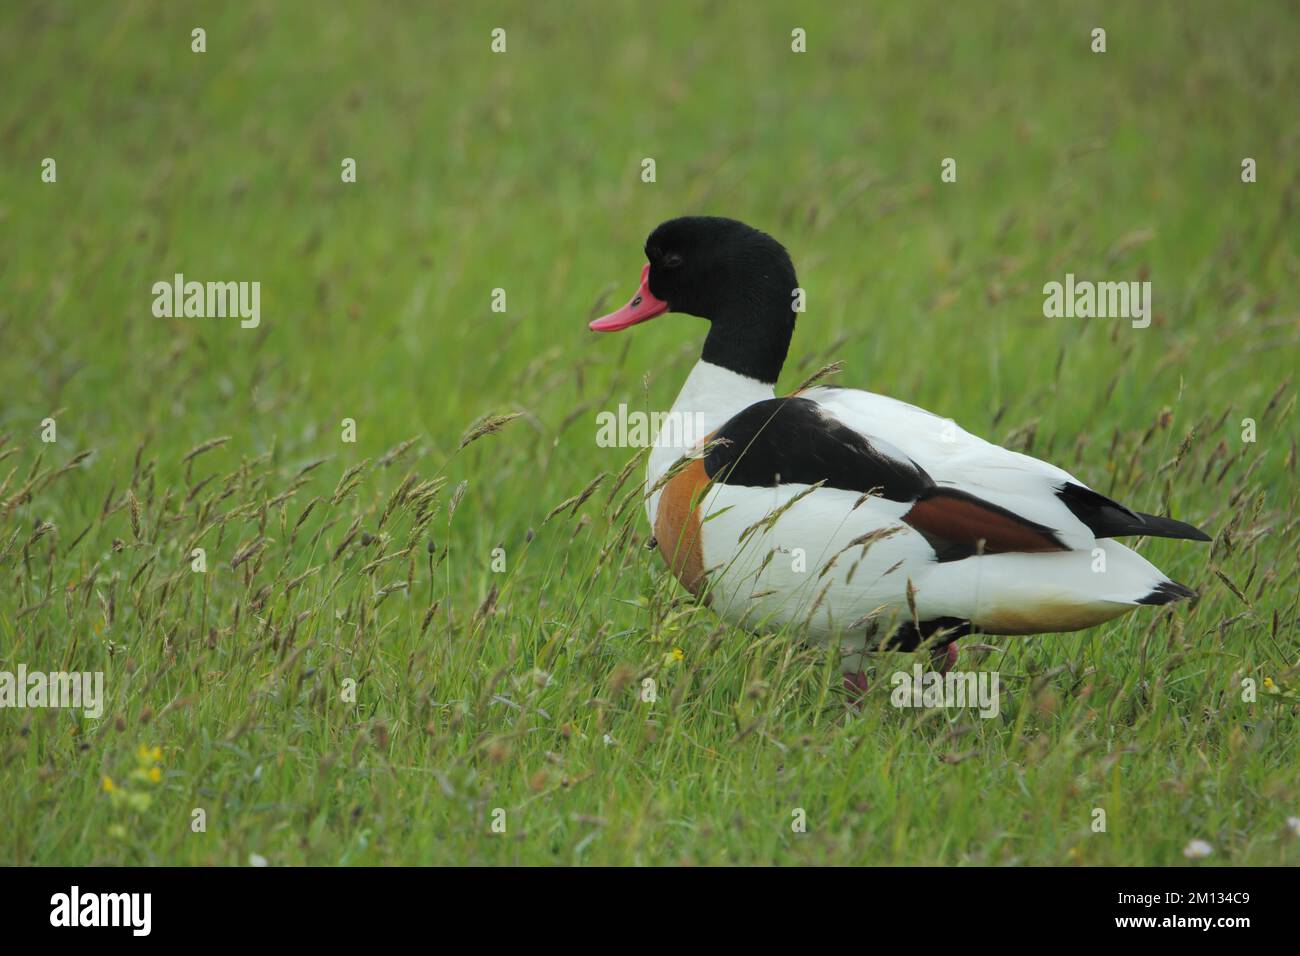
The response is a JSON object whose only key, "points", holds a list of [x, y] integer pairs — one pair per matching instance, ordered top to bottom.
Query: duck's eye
{"points": [[671, 260]]}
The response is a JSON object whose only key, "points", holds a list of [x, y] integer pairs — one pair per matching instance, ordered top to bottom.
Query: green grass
{"points": [[519, 690]]}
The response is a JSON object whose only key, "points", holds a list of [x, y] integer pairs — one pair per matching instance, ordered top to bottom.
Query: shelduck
{"points": [[850, 516]]}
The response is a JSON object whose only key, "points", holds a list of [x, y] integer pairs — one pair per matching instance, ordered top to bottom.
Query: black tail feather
{"points": [[1167, 593]]}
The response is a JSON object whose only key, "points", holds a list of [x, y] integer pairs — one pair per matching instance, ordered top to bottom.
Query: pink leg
{"points": [[944, 659]]}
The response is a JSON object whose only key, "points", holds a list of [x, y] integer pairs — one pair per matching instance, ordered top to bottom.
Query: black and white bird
{"points": [[861, 518]]}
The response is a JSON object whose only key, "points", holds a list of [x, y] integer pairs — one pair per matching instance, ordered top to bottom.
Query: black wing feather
{"points": [[793, 441], [1110, 519]]}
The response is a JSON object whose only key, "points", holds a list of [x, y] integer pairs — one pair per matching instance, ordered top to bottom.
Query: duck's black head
{"points": [[722, 270]]}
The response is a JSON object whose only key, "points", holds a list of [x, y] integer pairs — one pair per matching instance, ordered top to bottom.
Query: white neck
{"points": [[710, 396]]}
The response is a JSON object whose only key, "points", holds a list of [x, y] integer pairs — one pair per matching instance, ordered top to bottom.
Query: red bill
{"points": [[642, 307]]}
